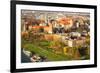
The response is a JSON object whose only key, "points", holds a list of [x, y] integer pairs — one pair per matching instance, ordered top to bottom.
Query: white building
{"points": [[74, 43]]}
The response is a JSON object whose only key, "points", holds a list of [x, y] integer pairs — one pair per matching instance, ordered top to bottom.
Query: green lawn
{"points": [[51, 56]]}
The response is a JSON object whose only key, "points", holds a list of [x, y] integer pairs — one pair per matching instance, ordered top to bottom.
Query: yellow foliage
{"points": [[65, 50]]}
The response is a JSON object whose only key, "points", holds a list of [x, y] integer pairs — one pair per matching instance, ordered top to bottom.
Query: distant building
{"points": [[65, 22], [75, 34], [74, 43]]}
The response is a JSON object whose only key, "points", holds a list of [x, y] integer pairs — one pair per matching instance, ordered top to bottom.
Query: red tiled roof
{"points": [[65, 21]]}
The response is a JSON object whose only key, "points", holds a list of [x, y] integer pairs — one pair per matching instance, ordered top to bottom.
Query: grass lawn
{"points": [[51, 56]]}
